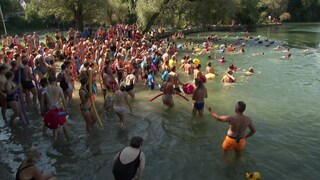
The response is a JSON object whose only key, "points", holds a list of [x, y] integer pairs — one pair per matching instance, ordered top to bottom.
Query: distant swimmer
{"points": [[277, 48], [287, 50], [258, 54], [286, 56], [250, 71], [228, 78], [238, 123]]}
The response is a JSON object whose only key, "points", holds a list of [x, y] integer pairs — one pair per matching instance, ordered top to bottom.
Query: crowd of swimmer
{"points": [[114, 60]]}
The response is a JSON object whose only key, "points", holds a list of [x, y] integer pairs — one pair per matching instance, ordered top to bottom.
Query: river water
{"points": [[282, 98]]}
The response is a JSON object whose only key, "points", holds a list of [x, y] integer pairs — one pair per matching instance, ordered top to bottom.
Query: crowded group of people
{"points": [[112, 60]]}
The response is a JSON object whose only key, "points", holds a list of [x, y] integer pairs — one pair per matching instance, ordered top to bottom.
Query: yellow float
{"points": [[196, 62], [210, 76], [92, 100]]}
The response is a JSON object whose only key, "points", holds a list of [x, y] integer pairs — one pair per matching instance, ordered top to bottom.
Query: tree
{"points": [[78, 11]]}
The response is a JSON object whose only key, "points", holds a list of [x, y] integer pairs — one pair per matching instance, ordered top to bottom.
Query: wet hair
{"points": [[13, 63], [9, 74], [52, 79], [43, 82], [198, 83], [241, 106], [136, 142], [32, 153]]}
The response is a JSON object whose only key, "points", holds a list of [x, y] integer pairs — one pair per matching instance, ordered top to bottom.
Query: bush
{"points": [[285, 16]]}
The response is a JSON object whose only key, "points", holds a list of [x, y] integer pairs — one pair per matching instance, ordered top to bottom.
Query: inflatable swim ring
{"points": [[196, 62], [171, 63], [164, 75], [210, 76], [188, 88], [55, 118]]}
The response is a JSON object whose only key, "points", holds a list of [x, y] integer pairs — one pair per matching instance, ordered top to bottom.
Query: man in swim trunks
{"points": [[198, 96], [121, 101], [238, 123]]}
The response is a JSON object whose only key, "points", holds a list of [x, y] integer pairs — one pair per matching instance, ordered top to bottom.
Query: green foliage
{"points": [[176, 14], [285, 16]]}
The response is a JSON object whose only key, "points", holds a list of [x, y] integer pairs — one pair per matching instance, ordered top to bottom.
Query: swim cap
{"points": [[188, 88]]}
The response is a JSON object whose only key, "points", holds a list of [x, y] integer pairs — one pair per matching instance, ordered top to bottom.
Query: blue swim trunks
{"points": [[198, 106]]}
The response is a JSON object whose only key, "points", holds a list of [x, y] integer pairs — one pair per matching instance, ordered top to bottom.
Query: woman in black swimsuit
{"points": [[12, 96], [129, 163], [28, 170]]}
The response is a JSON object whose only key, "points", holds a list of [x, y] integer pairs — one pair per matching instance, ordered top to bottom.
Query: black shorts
{"points": [[129, 87]]}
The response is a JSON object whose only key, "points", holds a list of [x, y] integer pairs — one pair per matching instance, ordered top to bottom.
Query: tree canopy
{"points": [[169, 13]]}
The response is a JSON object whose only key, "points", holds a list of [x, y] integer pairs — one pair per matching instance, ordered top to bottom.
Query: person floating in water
{"points": [[286, 56], [250, 71], [228, 78], [238, 123]]}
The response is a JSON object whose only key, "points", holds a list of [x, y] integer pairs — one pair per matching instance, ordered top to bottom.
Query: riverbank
{"points": [[226, 28]]}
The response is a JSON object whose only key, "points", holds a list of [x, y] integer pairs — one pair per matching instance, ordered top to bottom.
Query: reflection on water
{"points": [[282, 100]]}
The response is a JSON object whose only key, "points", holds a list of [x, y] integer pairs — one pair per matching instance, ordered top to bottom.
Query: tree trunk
{"points": [[155, 16], [78, 18], [151, 22]]}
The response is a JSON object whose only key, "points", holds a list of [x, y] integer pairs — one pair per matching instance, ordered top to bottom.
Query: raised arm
{"points": [[218, 117]]}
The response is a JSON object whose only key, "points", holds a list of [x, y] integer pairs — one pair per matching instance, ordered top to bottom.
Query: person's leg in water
{"points": [[86, 113], [66, 131]]}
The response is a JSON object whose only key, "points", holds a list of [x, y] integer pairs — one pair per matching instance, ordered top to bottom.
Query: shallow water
{"points": [[282, 99]]}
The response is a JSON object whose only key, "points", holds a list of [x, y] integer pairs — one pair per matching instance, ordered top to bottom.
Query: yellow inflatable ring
{"points": [[210, 76]]}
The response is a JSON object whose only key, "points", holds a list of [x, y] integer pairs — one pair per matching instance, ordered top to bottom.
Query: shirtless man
{"points": [[188, 67], [250, 71], [228, 78], [175, 79], [130, 82], [27, 83], [168, 91], [53, 95], [198, 96], [121, 100], [85, 105], [238, 123]]}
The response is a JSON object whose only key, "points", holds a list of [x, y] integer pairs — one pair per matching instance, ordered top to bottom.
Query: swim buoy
{"points": [[179, 46], [231, 48], [221, 50], [196, 62], [171, 63], [164, 75], [210, 76], [203, 79], [188, 88], [55, 118]]}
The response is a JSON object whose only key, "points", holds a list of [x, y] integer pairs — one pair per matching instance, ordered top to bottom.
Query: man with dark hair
{"points": [[238, 123], [129, 163]]}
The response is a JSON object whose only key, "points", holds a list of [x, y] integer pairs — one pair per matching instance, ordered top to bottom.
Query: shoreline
{"points": [[216, 28]]}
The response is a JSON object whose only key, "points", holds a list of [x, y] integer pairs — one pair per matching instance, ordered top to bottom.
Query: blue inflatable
{"points": [[164, 75]]}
